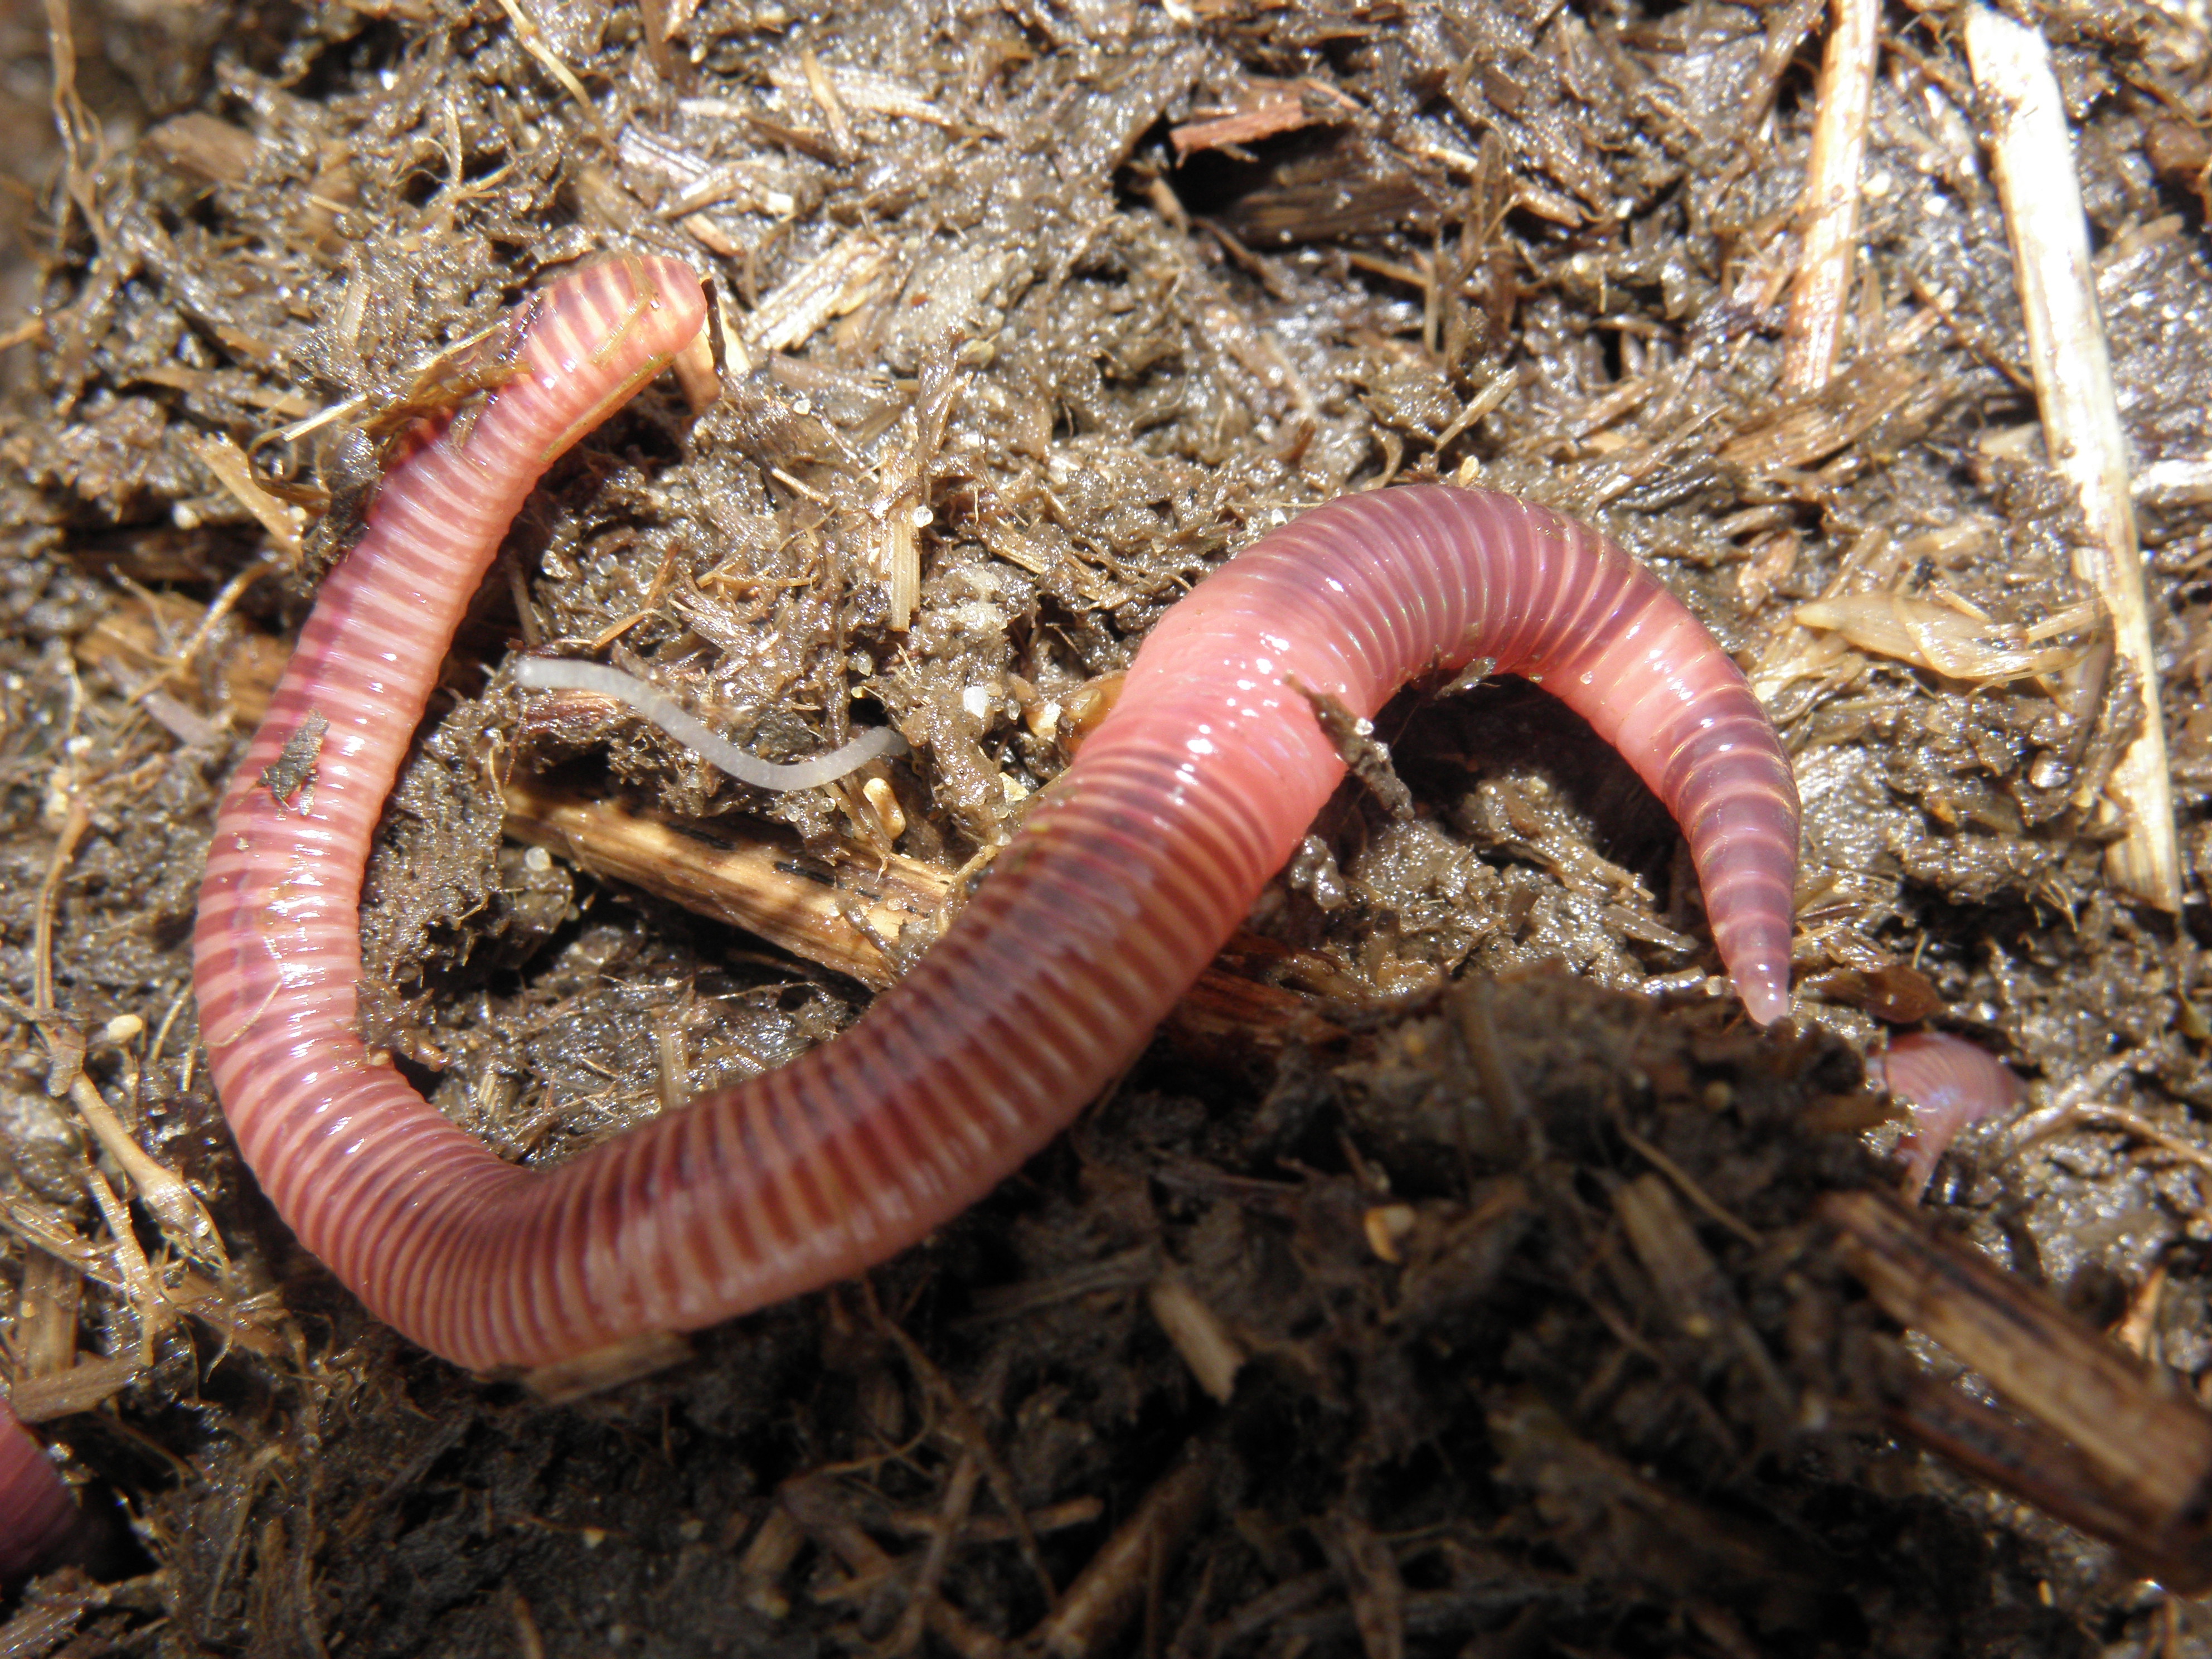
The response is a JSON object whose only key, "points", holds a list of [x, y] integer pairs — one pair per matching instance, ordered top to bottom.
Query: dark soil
{"points": [[1091, 341]]}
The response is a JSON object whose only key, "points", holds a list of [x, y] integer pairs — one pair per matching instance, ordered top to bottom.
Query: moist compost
{"points": [[1445, 1280]]}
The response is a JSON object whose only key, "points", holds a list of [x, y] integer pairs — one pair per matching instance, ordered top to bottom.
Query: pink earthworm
{"points": [[1132, 872], [1950, 1083], [37, 1513]]}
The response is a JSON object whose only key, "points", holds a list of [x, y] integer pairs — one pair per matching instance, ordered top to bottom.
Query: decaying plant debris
{"points": [[1414, 1296]]}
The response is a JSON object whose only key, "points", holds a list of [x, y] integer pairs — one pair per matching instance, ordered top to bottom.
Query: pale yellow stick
{"points": [[2042, 196], [1823, 285]]}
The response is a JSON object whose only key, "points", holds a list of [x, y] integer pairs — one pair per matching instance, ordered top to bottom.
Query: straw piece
{"points": [[2041, 193], [1832, 198], [285, 523]]}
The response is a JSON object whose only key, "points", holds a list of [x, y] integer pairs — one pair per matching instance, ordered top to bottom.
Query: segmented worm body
{"points": [[559, 674], [1133, 871], [1950, 1083], [36, 1511]]}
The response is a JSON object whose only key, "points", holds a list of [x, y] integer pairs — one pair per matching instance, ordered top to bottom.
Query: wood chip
{"points": [[1263, 109], [832, 285], [2119, 1447]]}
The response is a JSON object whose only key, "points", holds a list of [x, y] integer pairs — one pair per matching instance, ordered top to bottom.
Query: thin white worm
{"points": [[565, 674]]}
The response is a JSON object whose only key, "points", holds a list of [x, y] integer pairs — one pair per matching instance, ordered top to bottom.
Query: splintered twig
{"points": [[2042, 197], [1832, 198], [754, 877], [755, 880], [2109, 1443]]}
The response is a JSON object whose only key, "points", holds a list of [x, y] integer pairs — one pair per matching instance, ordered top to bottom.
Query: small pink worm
{"points": [[1133, 871], [1950, 1083], [36, 1511]]}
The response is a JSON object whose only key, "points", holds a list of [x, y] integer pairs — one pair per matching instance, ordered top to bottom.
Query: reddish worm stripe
{"points": [[1133, 870]]}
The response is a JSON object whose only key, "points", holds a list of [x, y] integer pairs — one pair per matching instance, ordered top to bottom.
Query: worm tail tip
{"points": [[1765, 993]]}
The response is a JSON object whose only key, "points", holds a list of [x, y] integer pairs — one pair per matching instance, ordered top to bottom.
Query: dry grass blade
{"points": [[533, 42], [77, 130], [2036, 177], [1832, 197], [285, 523], [184, 1220]]}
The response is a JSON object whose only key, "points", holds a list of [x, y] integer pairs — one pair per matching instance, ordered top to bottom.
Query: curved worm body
{"points": [[559, 674], [1133, 871], [1950, 1083], [36, 1510]]}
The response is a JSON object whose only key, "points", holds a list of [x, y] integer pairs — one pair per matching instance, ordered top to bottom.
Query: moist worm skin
{"points": [[1133, 870], [1950, 1083], [36, 1510]]}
